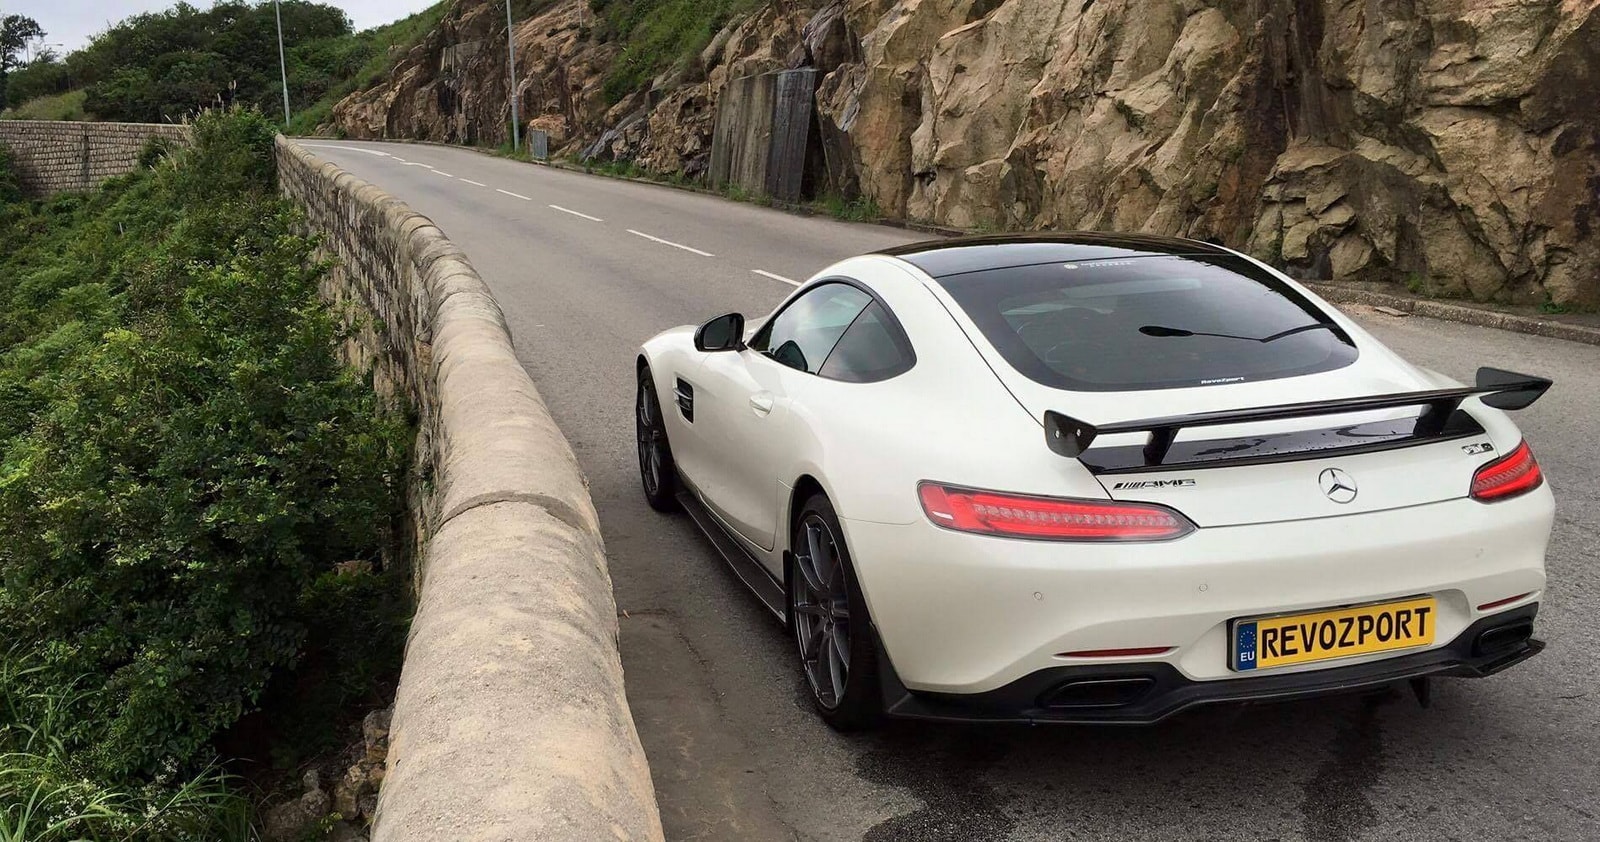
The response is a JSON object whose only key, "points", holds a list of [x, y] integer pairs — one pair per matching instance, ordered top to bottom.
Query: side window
{"points": [[805, 332], [872, 349]]}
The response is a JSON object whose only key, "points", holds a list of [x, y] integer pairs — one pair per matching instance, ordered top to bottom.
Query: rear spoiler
{"points": [[1500, 389]]}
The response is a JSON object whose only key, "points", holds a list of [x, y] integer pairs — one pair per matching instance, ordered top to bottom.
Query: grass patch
{"points": [[67, 106], [860, 209], [1551, 307], [45, 797]]}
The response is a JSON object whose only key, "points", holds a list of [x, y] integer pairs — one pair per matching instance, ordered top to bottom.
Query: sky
{"points": [[71, 22]]}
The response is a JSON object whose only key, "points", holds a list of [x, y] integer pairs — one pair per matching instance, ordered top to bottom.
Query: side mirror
{"points": [[723, 333]]}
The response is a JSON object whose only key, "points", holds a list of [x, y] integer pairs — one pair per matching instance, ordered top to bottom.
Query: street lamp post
{"points": [[511, 55], [283, 66]]}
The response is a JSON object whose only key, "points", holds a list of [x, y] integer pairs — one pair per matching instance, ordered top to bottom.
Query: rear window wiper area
{"points": [[1162, 330]]}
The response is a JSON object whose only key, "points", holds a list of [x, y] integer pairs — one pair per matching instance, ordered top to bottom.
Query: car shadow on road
{"points": [[1307, 764]]}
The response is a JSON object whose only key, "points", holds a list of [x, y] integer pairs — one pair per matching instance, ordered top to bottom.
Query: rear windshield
{"points": [[1138, 323]]}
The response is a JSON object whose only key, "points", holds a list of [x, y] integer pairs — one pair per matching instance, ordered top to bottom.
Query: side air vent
{"points": [[685, 400]]}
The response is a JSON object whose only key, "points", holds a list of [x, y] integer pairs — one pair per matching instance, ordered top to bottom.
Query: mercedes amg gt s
{"points": [[1095, 478]]}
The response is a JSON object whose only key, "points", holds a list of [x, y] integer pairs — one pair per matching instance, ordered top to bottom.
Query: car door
{"points": [[743, 404]]}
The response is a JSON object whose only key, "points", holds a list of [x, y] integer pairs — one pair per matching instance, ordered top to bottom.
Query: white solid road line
{"points": [[350, 149], [471, 182], [513, 195], [576, 213], [670, 243], [781, 278]]}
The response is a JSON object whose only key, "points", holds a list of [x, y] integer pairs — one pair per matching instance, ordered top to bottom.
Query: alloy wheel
{"points": [[652, 439], [821, 610]]}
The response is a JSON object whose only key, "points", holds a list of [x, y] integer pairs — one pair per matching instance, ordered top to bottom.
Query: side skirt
{"points": [[747, 568]]}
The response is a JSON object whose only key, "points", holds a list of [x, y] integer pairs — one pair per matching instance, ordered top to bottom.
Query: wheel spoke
{"points": [[808, 566], [835, 568], [810, 609], [840, 641], [811, 646], [836, 673]]}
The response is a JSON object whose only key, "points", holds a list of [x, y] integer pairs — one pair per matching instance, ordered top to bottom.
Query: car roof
{"points": [[942, 258]]}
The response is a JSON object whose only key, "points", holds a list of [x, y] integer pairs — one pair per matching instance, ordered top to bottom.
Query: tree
{"points": [[15, 33]]}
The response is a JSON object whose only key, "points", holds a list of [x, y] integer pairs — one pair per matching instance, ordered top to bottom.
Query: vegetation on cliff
{"points": [[656, 35], [195, 496]]}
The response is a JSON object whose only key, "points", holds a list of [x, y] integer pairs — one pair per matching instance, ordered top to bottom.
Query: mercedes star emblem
{"points": [[1337, 485]]}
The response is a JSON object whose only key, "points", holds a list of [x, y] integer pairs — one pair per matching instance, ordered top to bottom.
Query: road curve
{"points": [[587, 267]]}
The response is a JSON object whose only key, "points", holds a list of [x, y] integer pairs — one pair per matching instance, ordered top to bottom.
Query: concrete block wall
{"points": [[74, 157], [510, 722]]}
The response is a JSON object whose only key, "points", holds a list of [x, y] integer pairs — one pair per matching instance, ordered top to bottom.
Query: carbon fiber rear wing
{"points": [[1440, 420]]}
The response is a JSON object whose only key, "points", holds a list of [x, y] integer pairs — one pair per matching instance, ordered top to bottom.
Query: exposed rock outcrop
{"points": [[1453, 145]]}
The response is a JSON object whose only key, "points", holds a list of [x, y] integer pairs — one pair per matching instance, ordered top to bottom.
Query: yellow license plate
{"points": [[1264, 642]]}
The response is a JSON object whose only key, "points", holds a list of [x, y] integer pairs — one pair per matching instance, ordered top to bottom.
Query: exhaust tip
{"points": [[1502, 639], [1088, 694]]}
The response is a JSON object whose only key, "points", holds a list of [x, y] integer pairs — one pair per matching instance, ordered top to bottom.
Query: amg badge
{"points": [[1153, 483]]}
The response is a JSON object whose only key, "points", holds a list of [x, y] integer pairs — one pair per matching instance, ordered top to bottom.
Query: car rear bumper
{"points": [[967, 614], [1145, 693]]}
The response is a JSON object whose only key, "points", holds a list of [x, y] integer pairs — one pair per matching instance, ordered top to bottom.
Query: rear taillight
{"points": [[1515, 473], [1048, 518]]}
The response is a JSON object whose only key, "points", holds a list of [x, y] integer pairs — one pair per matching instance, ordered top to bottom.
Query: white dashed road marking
{"points": [[443, 173], [471, 182], [513, 195], [576, 213], [670, 243], [780, 278]]}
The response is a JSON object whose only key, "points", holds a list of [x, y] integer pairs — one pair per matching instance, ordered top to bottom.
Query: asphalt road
{"points": [[586, 268]]}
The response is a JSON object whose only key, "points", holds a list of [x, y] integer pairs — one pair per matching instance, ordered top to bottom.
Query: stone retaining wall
{"points": [[71, 157], [510, 722]]}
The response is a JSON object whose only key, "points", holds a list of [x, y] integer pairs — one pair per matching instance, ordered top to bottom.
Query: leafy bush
{"points": [[9, 191], [182, 458]]}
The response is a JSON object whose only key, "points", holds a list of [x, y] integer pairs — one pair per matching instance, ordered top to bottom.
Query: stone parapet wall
{"points": [[74, 157], [510, 721]]}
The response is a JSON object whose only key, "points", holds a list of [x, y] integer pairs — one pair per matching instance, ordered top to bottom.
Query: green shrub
{"points": [[9, 191], [182, 459]]}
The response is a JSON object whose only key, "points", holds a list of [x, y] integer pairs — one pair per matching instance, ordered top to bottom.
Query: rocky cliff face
{"points": [[1451, 145]]}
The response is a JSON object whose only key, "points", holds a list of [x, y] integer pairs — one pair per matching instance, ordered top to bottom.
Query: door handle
{"points": [[761, 402]]}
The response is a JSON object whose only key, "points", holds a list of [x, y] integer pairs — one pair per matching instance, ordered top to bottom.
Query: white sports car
{"points": [[1096, 478]]}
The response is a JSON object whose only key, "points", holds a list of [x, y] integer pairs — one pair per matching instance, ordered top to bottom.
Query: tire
{"points": [[657, 472], [832, 629]]}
